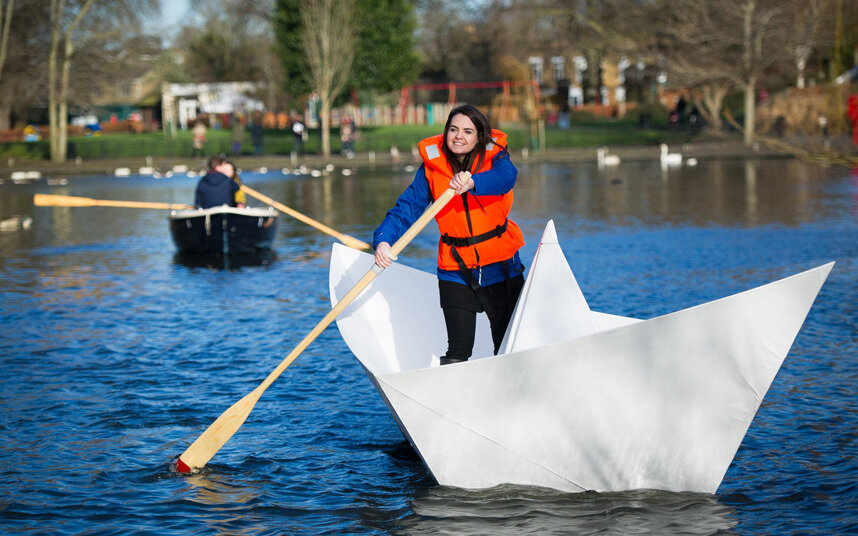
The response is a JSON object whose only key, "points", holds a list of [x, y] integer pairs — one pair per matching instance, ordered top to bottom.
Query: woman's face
{"points": [[462, 135]]}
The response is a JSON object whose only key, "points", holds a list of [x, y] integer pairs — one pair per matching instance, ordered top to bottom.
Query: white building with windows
{"points": [[181, 103]]}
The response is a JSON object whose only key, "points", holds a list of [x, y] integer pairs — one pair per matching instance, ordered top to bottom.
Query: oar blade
{"points": [[51, 200], [217, 434]]}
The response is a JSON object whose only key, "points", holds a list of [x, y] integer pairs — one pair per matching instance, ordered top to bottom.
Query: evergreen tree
{"points": [[385, 57]]}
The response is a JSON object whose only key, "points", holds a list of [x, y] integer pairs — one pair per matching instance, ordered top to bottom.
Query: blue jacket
{"points": [[499, 180], [215, 189]]}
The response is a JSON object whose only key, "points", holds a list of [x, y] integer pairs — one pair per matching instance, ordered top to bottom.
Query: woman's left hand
{"points": [[462, 182]]}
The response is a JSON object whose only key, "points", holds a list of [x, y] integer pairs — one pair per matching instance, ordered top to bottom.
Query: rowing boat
{"points": [[223, 230], [576, 400]]}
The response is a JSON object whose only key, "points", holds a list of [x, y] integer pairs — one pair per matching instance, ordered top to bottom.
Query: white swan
{"points": [[604, 159], [670, 159]]}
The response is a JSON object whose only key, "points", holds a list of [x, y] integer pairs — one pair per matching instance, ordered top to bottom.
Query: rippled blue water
{"points": [[116, 354]]}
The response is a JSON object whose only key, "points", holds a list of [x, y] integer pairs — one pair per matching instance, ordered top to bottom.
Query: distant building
{"points": [[133, 102], [182, 103]]}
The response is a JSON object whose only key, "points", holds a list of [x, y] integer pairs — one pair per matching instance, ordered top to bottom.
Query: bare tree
{"points": [[64, 21], [105, 30], [807, 31], [329, 41], [716, 42], [23, 73]]}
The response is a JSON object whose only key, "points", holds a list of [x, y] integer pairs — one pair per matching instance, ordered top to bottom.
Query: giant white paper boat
{"points": [[576, 400]]}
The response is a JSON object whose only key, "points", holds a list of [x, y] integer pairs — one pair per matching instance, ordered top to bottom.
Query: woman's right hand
{"points": [[462, 182], [382, 258]]}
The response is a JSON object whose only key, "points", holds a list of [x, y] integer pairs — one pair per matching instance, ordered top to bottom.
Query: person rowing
{"points": [[479, 267]]}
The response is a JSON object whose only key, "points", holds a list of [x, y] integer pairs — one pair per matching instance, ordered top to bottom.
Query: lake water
{"points": [[116, 354]]}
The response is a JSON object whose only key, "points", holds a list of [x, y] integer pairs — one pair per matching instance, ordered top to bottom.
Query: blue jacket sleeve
{"points": [[499, 180], [408, 208]]}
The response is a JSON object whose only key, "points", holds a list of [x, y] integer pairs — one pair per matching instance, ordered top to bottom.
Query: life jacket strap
{"points": [[461, 242]]}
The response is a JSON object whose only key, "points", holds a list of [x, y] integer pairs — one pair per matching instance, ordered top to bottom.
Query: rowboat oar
{"points": [[51, 200], [345, 239], [219, 432]]}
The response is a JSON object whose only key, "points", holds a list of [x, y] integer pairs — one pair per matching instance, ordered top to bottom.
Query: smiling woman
{"points": [[479, 269]]}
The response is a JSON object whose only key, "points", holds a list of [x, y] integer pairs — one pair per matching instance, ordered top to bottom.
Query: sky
{"points": [[173, 14]]}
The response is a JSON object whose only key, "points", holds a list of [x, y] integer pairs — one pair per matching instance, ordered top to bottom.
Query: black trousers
{"points": [[461, 304]]}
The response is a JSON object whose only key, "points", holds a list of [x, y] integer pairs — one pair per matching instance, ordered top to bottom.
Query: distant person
{"points": [[680, 109], [853, 116], [695, 121], [780, 126], [237, 130], [297, 134], [256, 135], [199, 136], [347, 137], [232, 173], [216, 188]]}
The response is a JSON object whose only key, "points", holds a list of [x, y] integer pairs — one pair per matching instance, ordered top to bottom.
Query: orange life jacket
{"points": [[474, 228]]}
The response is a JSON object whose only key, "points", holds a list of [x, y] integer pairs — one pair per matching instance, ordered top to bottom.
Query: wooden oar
{"points": [[51, 200], [345, 239], [219, 432]]}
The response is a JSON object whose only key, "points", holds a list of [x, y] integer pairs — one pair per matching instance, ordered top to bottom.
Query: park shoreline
{"points": [[699, 150]]}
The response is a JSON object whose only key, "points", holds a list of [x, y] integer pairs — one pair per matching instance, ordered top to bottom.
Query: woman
{"points": [[232, 173], [479, 268]]}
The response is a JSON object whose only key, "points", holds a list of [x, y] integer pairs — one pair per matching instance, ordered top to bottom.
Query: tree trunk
{"points": [[6, 19], [748, 61], [58, 93], [710, 101], [750, 109], [325, 117], [53, 122], [63, 133]]}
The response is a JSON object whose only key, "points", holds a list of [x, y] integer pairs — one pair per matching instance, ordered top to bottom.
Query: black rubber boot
{"points": [[451, 360]]}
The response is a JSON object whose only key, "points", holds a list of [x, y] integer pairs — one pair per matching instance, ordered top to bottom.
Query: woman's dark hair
{"points": [[484, 138]]}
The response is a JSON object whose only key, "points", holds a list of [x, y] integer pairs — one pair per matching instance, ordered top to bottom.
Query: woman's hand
{"points": [[462, 182], [381, 255]]}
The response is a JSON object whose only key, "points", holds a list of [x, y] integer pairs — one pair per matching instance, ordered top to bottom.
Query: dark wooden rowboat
{"points": [[223, 230]]}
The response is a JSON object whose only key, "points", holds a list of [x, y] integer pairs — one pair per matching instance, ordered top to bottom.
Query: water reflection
{"points": [[719, 192], [219, 261], [520, 510]]}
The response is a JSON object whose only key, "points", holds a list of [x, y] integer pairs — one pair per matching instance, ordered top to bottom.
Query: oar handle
{"points": [[421, 222], [345, 239], [223, 428]]}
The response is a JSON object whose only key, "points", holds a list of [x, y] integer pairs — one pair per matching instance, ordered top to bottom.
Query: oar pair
{"points": [[43, 200], [223, 428]]}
